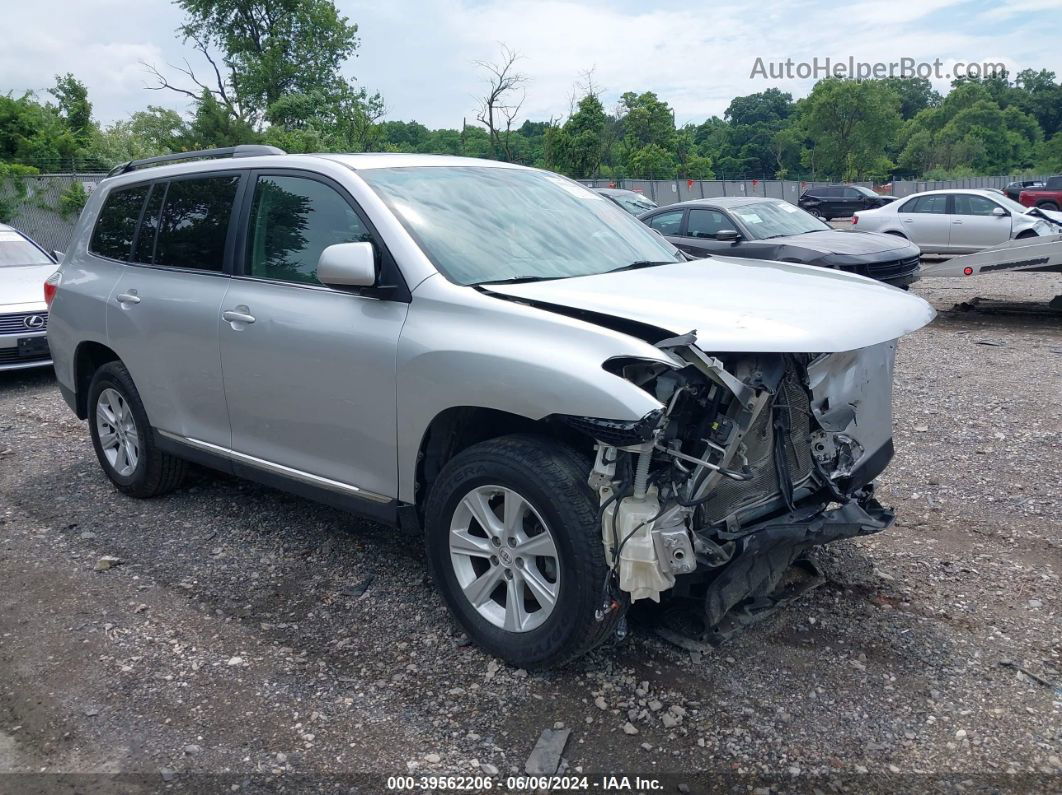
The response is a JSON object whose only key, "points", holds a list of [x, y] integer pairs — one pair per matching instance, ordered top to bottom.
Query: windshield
{"points": [[865, 191], [634, 204], [1010, 204], [776, 219], [485, 224], [16, 250]]}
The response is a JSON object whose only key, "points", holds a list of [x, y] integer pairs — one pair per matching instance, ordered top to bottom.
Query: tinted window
{"points": [[850, 193], [926, 204], [968, 204], [292, 221], [194, 223], [667, 223], [706, 223], [113, 235], [145, 240]]}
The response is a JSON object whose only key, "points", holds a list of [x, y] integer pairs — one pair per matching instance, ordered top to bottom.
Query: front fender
{"points": [[460, 347]]}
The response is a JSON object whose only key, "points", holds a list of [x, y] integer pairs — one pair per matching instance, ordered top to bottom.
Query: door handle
{"points": [[956, 222], [128, 298], [238, 315]]}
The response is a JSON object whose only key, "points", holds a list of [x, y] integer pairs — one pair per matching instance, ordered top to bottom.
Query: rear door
{"points": [[925, 221], [973, 225], [162, 315], [310, 371]]}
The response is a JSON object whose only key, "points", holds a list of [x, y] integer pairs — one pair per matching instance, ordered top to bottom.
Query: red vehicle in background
{"points": [[1049, 197]]}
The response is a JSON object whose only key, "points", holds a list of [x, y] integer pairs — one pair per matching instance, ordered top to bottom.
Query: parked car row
{"points": [[575, 413]]}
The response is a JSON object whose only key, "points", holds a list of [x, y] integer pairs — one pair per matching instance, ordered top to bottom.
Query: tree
{"points": [[260, 51], [915, 94], [501, 104], [74, 106], [770, 106], [850, 124], [651, 162]]}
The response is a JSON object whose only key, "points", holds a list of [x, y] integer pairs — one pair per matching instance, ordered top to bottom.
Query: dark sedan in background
{"points": [[1014, 189], [631, 201], [840, 201], [774, 229]]}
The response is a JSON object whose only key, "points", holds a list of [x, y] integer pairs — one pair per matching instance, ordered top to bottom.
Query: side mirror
{"points": [[999, 212], [728, 234], [347, 265]]}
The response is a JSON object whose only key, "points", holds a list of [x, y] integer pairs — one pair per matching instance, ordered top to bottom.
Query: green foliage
{"points": [[850, 124], [12, 188], [72, 200]]}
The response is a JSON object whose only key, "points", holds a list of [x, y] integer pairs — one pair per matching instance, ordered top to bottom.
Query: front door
{"points": [[974, 225], [309, 370]]}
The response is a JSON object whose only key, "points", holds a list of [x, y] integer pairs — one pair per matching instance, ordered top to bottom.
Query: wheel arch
{"points": [[89, 357], [457, 428]]}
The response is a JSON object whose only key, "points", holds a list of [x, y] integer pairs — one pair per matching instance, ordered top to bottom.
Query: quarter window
{"points": [[293, 220], [195, 223], [667, 223], [116, 224]]}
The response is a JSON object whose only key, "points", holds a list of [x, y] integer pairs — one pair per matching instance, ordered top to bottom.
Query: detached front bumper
{"points": [[744, 590]]}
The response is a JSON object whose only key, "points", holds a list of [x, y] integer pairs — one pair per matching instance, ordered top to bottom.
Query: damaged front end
{"points": [[753, 459]]}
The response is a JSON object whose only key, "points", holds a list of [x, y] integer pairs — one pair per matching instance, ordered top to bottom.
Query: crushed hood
{"points": [[838, 242], [741, 305]]}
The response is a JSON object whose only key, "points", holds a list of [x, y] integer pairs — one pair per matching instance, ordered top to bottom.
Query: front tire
{"points": [[123, 438], [515, 547]]}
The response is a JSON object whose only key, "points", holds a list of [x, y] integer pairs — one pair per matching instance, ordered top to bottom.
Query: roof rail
{"points": [[243, 150]]}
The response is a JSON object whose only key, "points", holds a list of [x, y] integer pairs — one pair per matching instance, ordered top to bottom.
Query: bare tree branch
{"points": [[500, 105]]}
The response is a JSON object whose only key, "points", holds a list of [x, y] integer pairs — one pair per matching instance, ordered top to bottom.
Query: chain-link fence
{"points": [[37, 207]]}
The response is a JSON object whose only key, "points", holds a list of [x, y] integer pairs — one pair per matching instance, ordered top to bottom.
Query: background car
{"points": [[1013, 190], [1047, 196], [840, 201], [633, 202], [955, 221], [773, 229], [24, 266]]}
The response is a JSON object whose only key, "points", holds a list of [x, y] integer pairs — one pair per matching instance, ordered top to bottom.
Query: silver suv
{"points": [[573, 414]]}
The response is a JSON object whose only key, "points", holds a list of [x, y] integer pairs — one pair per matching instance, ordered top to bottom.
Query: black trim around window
{"points": [[393, 285]]}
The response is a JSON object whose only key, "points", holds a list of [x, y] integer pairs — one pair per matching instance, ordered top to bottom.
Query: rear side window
{"points": [[926, 204], [293, 220], [195, 222], [116, 223], [149, 227]]}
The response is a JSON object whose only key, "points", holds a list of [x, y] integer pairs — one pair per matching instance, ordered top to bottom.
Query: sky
{"points": [[421, 54]]}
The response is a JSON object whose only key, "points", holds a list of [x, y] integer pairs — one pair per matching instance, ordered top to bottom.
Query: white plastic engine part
{"points": [[640, 572]]}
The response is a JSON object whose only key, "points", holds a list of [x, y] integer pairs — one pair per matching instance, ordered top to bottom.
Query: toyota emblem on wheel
{"points": [[34, 322]]}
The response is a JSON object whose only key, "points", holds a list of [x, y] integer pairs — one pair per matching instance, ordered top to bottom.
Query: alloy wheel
{"points": [[116, 427], [505, 558]]}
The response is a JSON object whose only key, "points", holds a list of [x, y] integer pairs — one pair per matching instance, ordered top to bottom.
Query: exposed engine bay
{"points": [[752, 460]]}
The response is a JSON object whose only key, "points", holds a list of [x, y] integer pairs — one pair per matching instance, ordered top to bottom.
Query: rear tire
{"points": [[1048, 206], [123, 438], [550, 479]]}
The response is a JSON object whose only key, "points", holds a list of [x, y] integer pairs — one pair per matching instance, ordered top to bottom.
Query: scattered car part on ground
{"points": [[1047, 197], [840, 201], [633, 202], [957, 221], [773, 229], [24, 269], [625, 422]]}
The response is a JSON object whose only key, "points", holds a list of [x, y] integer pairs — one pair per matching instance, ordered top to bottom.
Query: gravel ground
{"points": [[273, 644]]}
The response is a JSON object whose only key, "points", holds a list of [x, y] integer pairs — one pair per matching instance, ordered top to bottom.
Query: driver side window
{"points": [[969, 204], [294, 219], [707, 223]]}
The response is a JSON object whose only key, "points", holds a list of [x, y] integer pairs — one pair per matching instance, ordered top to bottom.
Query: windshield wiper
{"points": [[645, 263], [519, 280]]}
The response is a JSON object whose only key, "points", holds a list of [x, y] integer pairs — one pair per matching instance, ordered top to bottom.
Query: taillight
{"points": [[855, 220], [967, 271], [51, 284]]}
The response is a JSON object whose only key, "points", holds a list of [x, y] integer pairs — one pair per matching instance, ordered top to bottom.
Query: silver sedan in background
{"points": [[957, 221], [24, 266]]}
